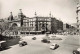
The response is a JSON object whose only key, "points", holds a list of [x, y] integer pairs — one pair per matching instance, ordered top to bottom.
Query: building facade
{"points": [[26, 25], [69, 29]]}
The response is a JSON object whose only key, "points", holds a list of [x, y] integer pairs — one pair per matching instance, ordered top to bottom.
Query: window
{"points": [[32, 24], [22, 32]]}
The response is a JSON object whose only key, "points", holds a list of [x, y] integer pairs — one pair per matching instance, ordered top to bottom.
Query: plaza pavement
{"points": [[67, 45]]}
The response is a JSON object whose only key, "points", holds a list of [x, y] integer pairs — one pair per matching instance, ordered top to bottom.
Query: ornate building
{"points": [[24, 25]]}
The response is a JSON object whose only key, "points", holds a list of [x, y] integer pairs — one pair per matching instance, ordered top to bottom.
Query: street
{"points": [[66, 46]]}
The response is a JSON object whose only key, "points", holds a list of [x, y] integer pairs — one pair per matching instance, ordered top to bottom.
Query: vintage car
{"points": [[34, 38], [45, 41], [22, 42], [2, 45], [54, 46], [76, 51]]}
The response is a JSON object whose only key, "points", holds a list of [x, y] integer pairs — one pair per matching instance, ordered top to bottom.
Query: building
{"points": [[24, 25], [69, 28]]}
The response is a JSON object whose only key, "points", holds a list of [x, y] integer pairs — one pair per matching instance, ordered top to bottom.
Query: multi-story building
{"points": [[44, 24], [25, 25], [69, 28]]}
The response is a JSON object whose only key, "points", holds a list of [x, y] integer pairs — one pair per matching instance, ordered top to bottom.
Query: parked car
{"points": [[34, 38], [45, 41], [22, 42], [2, 45], [54, 46], [76, 51]]}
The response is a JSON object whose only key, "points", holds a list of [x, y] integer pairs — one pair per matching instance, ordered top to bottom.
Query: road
{"points": [[67, 45]]}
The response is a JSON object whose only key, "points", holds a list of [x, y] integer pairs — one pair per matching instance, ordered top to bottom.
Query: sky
{"points": [[64, 10]]}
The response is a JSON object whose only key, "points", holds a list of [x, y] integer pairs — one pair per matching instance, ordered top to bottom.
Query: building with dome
{"points": [[25, 25]]}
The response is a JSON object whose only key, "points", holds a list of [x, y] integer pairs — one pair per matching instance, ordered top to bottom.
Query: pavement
{"points": [[67, 45]]}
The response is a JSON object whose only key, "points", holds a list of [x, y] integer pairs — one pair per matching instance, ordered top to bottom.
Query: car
{"points": [[34, 38], [45, 41], [22, 43], [2, 45], [54, 46], [76, 51]]}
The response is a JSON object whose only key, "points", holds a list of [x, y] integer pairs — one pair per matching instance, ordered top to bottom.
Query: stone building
{"points": [[24, 25], [69, 28]]}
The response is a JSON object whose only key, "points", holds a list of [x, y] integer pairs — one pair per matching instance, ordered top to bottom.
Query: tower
{"points": [[78, 13], [35, 14], [50, 14], [20, 15], [10, 17], [36, 22]]}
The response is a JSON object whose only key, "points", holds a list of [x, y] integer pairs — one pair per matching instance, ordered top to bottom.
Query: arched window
{"points": [[14, 25]]}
